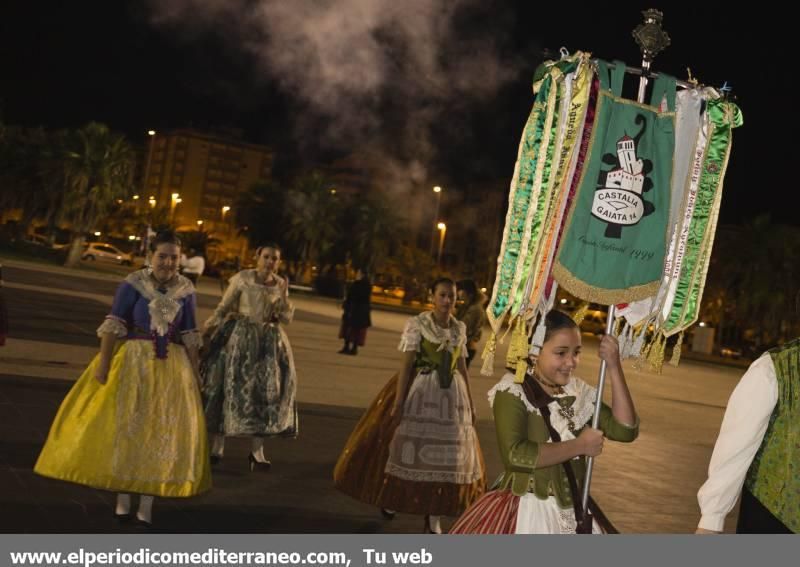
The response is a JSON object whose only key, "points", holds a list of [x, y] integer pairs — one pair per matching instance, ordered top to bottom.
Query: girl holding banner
{"points": [[544, 434]]}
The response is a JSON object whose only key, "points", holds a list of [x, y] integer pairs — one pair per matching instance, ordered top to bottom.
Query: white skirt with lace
{"points": [[435, 440], [536, 516]]}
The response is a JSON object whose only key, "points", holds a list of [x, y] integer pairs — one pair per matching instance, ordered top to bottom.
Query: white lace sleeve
{"points": [[285, 306], [285, 312], [113, 326], [192, 338], [410, 339], [462, 339], [507, 384]]}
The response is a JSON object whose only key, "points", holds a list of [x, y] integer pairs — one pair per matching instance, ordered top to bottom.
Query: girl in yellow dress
{"points": [[133, 422]]}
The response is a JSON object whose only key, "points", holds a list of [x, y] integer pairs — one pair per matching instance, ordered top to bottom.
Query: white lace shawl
{"points": [[242, 281], [163, 307], [423, 325], [583, 406]]}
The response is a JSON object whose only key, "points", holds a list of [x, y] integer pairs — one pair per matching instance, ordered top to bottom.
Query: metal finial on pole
{"points": [[651, 40]]}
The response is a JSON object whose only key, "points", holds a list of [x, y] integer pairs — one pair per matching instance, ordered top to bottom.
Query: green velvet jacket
{"points": [[521, 429]]}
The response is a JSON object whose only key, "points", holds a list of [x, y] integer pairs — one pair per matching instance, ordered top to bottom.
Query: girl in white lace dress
{"points": [[249, 378], [415, 450]]}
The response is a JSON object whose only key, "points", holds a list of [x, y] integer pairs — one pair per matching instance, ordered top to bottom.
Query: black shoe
{"points": [[343, 350], [215, 459], [256, 464], [388, 514], [123, 517], [143, 523]]}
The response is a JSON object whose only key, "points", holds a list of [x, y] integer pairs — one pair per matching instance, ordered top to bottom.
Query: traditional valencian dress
{"points": [[249, 378], [142, 431], [757, 452], [431, 463], [530, 499]]}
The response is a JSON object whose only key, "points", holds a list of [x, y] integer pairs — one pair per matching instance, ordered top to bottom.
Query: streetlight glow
{"points": [[151, 132], [438, 191], [135, 197], [225, 209], [199, 222], [442, 231], [97, 233]]}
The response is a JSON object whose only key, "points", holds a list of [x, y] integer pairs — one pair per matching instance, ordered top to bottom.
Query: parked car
{"points": [[40, 240], [105, 252], [394, 291], [731, 352]]}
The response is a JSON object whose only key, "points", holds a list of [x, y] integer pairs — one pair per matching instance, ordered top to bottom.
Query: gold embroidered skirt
{"points": [[143, 431]]}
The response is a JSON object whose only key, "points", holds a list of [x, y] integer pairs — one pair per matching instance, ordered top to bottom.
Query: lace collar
{"points": [[250, 279], [163, 307], [447, 339], [572, 409]]}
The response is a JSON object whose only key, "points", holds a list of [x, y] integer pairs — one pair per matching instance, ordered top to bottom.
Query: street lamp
{"points": [[146, 181], [438, 191], [173, 203], [225, 209], [442, 230]]}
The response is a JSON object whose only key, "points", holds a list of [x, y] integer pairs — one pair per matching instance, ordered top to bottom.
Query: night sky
{"points": [[446, 102]]}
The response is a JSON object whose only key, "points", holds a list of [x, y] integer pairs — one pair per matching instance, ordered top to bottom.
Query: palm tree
{"points": [[97, 171], [26, 176], [314, 218], [375, 227], [416, 269], [754, 278]]}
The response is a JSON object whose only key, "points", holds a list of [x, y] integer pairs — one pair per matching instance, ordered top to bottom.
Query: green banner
{"points": [[615, 241]]}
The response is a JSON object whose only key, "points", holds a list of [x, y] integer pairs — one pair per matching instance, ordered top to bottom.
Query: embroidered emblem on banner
{"points": [[619, 199]]}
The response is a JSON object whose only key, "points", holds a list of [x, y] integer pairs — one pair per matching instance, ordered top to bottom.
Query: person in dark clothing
{"points": [[470, 312], [356, 316]]}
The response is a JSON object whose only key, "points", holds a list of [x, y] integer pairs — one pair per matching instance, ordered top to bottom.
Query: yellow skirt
{"points": [[143, 431]]}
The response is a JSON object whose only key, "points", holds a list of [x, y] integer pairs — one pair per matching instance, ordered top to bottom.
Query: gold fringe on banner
{"points": [[580, 313], [618, 326], [518, 350], [676, 351], [645, 354], [656, 354], [488, 355], [522, 369]]}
